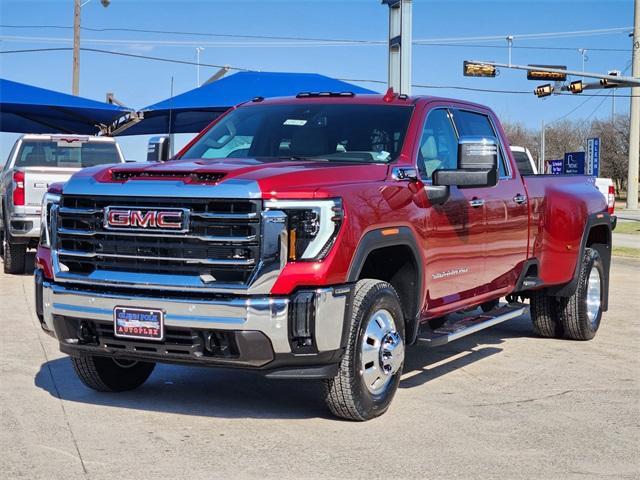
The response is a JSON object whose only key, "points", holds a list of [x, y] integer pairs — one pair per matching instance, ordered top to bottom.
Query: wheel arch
{"points": [[596, 235], [392, 254]]}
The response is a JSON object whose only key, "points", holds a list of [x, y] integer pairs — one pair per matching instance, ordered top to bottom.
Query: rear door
{"points": [[506, 210]]}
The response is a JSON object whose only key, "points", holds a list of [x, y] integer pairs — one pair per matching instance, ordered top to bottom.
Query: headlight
{"points": [[312, 226], [45, 232]]}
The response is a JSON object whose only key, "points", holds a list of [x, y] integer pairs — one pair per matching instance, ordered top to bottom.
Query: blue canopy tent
{"points": [[28, 109], [191, 111]]}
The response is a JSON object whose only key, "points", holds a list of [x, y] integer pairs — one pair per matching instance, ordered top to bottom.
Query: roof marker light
{"points": [[389, 96]]}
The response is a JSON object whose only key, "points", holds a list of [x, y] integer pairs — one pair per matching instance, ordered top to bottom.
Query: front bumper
{"points": [[302, 335]]}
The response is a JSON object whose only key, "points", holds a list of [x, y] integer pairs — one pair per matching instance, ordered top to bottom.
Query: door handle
{"points": [[520, 199], [476, 202]]}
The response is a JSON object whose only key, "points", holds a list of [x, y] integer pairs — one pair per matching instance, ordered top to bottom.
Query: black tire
{"points": [[14, 255], [490, 305], [573, 312], [544, 315], [105, 375], [347, 395]]}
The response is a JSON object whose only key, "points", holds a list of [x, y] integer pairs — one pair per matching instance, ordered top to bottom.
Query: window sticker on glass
{"points": [[294, 121], [382, 156]]}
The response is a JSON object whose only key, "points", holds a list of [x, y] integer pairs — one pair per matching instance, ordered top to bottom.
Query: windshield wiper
{"points": [[310, 159]]}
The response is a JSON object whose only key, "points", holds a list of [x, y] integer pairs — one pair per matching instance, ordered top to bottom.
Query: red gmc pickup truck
{"points": [[317, 237]]}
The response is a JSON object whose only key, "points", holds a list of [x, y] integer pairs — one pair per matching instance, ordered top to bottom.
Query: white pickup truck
{"points": [[35, 162]]}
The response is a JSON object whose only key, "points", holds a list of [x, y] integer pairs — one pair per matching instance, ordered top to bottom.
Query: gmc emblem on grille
{"points": [[125, 218]]}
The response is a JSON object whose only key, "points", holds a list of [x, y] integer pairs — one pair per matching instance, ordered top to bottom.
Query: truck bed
{"points": [[557, 221]]}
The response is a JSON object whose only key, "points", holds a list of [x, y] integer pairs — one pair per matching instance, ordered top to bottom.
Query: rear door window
{"points": [[478, 124], [66, 155], [523, 163]]}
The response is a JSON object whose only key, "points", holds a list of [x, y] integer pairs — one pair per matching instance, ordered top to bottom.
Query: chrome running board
{"points": [[454, 330]]}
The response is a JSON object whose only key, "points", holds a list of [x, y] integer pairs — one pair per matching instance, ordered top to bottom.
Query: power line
{"points": [[202, 34], [534, 36], [333, 41], [184, 43], [522, 47], [124, 54], [187, 62], [626, 69], [608, 95]]}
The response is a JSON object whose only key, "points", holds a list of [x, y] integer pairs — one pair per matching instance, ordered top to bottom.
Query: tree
{"points": [[519, 135], [565, 136], [614, 148]]}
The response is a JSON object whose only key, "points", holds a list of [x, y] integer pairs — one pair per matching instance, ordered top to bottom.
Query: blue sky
{"points": [[140, 82]]}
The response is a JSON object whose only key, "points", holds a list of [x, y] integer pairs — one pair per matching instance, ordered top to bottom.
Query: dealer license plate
{"points": [[140, 323]]}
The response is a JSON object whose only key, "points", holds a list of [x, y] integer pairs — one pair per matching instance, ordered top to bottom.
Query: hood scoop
{"points": [[187, 177]]}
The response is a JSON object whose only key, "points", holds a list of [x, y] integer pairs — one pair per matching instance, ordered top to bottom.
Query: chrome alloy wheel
{"points": [[593, 297], [382, 351]]}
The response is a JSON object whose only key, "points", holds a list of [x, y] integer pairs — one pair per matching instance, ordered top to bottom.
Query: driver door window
{"points": [[438, 144]]}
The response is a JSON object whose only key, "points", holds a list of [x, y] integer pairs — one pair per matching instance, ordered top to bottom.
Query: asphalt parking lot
{"points": [[499, 404]]}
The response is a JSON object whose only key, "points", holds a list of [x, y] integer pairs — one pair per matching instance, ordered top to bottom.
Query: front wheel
{"points": [[372, 365], [106, 374]]}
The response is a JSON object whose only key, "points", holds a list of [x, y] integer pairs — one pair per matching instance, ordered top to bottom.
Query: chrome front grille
{"points": [[222, 244]]}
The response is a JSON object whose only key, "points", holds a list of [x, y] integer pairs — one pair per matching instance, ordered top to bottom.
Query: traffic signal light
{"points": [[474, 69], [534, 74], [576, 87], [544, 90]]}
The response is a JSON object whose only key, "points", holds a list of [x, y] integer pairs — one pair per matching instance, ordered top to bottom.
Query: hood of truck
{"points": [[262, 178]]}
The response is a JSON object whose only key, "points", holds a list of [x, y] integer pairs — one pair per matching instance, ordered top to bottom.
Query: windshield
{"points": [[334, 132], [63, 154], [524, 165]]}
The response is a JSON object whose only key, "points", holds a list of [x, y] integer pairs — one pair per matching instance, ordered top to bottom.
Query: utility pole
{"points": [[77, 8], [400, 40], [75, 86], [634, 124]]}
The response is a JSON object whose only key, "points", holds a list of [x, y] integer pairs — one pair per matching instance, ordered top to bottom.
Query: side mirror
{"points": [[159, 149], [477, 164]]}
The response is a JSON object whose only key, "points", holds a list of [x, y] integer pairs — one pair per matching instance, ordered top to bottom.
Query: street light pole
{"points": [[198, 50], [583, 52], [75, 86], [634, 124], [542, 147]]}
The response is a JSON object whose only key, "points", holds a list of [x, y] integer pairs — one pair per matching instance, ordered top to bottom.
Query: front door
{"points": [[454, 231]]}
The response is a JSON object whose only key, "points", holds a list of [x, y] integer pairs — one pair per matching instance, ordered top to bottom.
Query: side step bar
{"points": [[451, 331]]}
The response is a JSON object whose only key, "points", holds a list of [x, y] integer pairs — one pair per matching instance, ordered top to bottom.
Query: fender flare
{"points": [[374, 240], [568, 289]]}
